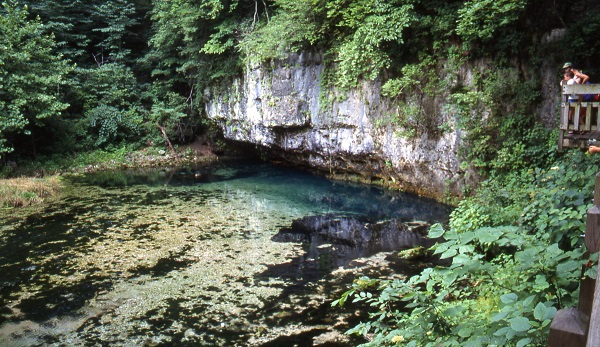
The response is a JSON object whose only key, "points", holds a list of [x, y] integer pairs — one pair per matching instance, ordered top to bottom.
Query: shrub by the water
{"points": [[26, 191]]}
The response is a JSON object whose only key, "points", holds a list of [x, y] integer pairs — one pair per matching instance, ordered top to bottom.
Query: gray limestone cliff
{"points": [[343, 134]]}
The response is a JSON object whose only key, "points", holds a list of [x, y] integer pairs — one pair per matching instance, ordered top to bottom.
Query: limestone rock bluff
{"points": [[342, 134]]}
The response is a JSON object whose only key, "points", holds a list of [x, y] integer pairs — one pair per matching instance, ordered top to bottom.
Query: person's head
{"points": [[567, 67], [568, 75]]}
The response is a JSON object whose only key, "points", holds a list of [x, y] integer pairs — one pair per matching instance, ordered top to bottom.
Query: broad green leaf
{"points": [[570, 193], [436, 231], [488, 235], [467, 237], [441, 247], [466, 249], [449, 253], [460, 259], [567, 267], [591, 272], [541, 283], [509, 298], [528, 300], [451, 312], [540, 312], [550, 313], [500, 316], [519, 324], [502, 331], [465, 332], [523, 342]]}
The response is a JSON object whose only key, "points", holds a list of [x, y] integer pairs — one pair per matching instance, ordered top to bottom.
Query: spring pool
{"points": [[183, 257]]}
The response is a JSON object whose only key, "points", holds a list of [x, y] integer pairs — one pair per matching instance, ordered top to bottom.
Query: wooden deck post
{"points": [[564, 121], [592, 222], [592, 243], [574, 327], [568, 328], [593, 338]]}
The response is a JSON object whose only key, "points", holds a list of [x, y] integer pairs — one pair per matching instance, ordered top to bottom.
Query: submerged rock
{"points": [[378, 236], [341, 239]]}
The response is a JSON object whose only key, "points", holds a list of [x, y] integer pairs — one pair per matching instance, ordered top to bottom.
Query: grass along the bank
{"points": [[127, 156], [61, 163], [21, 186], [26, 191]]}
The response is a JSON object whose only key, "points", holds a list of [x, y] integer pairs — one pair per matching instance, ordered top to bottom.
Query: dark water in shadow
{"points": [[184, 257]]}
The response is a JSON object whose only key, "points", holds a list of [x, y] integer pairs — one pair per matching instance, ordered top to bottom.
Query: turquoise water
{"points": [[181, 257]]}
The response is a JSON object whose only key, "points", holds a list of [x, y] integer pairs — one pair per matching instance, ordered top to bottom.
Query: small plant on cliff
{"points": [[496, 117]]}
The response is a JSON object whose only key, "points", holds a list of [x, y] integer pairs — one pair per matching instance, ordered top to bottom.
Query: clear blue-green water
{"points": [[184, 258]]}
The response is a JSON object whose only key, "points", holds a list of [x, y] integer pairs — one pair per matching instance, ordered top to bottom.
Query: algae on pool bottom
{"points": [[188, 263]]}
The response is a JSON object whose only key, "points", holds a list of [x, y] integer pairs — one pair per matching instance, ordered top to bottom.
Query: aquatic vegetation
{"points": [[182, 257]]}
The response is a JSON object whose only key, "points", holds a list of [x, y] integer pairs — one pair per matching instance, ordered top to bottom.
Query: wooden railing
{"points": [[585, 116], [580, 327], [593, 338]]}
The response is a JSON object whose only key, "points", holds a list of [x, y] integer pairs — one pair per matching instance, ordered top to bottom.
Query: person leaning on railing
{"points": [[575, 76], [580, 77], [569, 79]]}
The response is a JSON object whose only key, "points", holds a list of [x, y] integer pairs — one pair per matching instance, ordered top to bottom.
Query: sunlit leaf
{"points": [[436, 231], [449, 253], [500, 316]]}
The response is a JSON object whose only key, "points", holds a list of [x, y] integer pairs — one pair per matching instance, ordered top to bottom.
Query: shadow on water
{"points": [[21, 251], [164, 265], [62, 300], [293, 306]]}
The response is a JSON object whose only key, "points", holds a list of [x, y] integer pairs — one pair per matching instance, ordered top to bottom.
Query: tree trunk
{"points": [[164, 134]]}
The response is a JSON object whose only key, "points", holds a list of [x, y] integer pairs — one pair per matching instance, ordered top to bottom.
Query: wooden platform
{"points": [[584, 125], [581, 139]]}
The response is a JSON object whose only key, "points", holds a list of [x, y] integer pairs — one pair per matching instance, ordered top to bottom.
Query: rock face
{"points": [[550, 75], [343, 134]]}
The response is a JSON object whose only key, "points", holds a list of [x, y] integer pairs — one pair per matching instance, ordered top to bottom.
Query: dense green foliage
{"points": [[77, 56], [136, 70], [31, 75], [77, 76], [516, 254]]}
